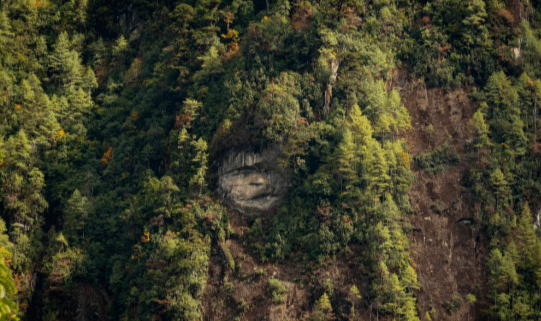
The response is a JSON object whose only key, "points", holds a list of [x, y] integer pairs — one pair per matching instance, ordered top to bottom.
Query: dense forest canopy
{"points": [[115, 116]]}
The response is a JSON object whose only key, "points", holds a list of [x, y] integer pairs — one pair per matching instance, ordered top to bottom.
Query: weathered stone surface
{"points": [[252, 181], [537, 220]]}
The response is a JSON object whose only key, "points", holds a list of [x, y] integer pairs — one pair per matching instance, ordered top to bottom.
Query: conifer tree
{"points": [[476, 29], [6, 34], [120, 47], [64, 62], [502, 99], [385, 109], [36, 116], [359, 125], [481, 130], [345, 160], [200, 161], [375, 170], [499, 183], [22, 184], [77, 211], [525, 234], [383, 242], [512, 252], [536, 264], [503, 274], [409, 278], [324, 304]]}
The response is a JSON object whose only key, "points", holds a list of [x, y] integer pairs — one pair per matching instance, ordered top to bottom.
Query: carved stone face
{"points": [[251, 182]]}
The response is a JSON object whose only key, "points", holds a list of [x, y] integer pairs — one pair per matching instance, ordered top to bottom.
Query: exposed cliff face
{"points": [[252, 181], [449, 255]]}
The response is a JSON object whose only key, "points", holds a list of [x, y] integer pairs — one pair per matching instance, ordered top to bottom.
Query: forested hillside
{"points": [[270, 160]]}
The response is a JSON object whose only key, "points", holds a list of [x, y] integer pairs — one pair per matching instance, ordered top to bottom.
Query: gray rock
{"points": [[251, 181], [537, 220]]}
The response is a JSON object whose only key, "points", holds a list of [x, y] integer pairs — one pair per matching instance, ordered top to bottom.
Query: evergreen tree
{"points": [[477, 31], [120, 47], [65, 63], [502, 99], [278, 109], [36, 117], [359, 125], [481, 130], [200, 161], [345, 161], [375, 170], [499, 183], [22, 184], [76, 214], [525, 234], [536, 264], [503, 274], [409, 278], [8, 306]]}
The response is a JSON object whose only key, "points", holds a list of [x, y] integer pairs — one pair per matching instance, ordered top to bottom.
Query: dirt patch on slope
{"points": [[447, 112], [449, 253], [237, 287], [242, 292]]}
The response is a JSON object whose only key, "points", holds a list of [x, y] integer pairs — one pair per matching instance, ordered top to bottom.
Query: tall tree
{"points": [[345, 160], [200, 162], [76, 214], [525, 234]]}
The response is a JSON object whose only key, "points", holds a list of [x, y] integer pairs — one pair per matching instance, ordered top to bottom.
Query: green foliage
{"points": [[453, 43], [172, 86], [278, 108], [481, 129], [200, 159], [437, 160], [76, 214], [64, 263], [259, 272], [278, 291], [355, 291], [454, 303], [8, 304], [324, 304]]}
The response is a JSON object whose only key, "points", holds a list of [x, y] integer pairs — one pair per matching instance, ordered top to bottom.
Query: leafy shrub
{"points": [[437, 160], [257, 229], [259, 272], [278, 291], [454, 303], [243, 306]]}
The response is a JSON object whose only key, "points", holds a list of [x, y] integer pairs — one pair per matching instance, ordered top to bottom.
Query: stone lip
{"points": [[251, 182]]}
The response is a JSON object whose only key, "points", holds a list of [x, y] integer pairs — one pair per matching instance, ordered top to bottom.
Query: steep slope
{"points": [[448, 251], [238, 289]]}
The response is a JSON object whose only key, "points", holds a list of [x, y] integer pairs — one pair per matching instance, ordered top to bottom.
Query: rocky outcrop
{"points": [[251, 181]]}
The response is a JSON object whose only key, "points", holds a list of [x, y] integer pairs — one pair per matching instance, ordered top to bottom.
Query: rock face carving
{"points": [[252, 181]]}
